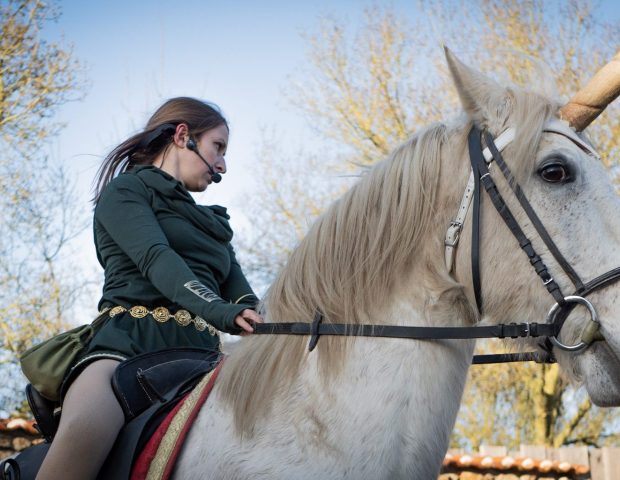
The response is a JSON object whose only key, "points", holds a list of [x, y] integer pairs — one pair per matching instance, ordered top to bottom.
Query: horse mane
{"points": [[364, 242], [351, 262]]}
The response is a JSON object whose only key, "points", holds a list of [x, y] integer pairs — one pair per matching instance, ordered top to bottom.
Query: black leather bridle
{"points": [[564, 304], [549, 330]]}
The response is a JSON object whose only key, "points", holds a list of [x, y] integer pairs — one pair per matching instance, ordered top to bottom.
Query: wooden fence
{"points": [[604, 463]]}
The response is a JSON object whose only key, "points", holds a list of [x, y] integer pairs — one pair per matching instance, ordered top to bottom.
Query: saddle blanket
{"points": [[157, 460]]}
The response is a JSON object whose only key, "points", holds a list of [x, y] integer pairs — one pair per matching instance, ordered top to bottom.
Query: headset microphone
{"points": [[215, 177]]}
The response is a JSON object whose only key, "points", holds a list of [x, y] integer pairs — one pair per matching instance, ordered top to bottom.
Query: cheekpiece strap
{"points": [[475, 154], [509, 219]]}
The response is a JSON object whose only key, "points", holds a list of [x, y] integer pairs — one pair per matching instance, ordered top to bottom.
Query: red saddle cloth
{"points": [[159, 456]]}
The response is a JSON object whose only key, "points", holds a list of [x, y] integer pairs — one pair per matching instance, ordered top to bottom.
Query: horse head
{"points": [[571, 194]]}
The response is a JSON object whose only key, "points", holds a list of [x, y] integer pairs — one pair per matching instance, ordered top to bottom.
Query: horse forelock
{"points": [[528, 114], [359, 251]]}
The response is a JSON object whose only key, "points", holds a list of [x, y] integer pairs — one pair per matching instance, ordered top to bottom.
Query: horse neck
{"points": [[418, 383], [413, 386]]}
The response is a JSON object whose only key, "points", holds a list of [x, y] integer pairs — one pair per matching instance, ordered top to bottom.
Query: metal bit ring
{"points": [[593, 326]]}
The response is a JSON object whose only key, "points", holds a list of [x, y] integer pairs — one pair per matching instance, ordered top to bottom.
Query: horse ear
{"points": [[482, 98]]}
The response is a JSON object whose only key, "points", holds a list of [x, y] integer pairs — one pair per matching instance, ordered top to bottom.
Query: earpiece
{"points": [[164, 129]]}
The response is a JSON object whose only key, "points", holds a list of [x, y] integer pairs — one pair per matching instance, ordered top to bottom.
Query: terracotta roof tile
{"points": [[14, 424], [521, 464]]}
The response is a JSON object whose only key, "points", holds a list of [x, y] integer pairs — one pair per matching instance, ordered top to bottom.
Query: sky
{"points": [[239, 54]]}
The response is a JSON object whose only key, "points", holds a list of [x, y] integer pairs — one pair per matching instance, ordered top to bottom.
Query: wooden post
{"points": [[493, 450], [534, 451], [611, 462], [597, 468]]}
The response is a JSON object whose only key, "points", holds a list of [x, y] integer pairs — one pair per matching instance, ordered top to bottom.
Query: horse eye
{"points": [[554, 173]]}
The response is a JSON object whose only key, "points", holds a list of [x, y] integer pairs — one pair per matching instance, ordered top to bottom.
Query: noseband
{"points": [[481, 158]]}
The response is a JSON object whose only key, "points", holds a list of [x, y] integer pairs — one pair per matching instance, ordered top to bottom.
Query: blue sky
{"points": [[237, 53]]}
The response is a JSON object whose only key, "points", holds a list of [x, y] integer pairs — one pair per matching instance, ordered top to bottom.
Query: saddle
{"points": [[147, 387], [46, 413]]}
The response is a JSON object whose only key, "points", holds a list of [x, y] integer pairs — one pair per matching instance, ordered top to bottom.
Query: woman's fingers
{"points": [[252, 315], [245, 319], [243, 324]]}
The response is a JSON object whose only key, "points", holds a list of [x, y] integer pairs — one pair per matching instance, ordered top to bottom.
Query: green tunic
{"points": [[159, 248]]}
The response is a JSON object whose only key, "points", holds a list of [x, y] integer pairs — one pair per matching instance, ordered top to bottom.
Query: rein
{"points": [[480, 177], [514, 330]]}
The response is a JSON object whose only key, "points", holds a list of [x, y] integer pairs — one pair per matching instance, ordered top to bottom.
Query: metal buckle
{"points": [[453, 234], [589, 333]]}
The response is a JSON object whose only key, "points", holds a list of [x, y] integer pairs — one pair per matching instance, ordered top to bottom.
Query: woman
{"points": [[171, 277]]}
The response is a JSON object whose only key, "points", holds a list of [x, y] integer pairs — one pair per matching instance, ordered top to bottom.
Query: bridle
{"points": [[480, 160], [479, 178]]}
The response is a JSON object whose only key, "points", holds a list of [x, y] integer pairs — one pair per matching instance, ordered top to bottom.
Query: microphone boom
{"points": [[215, 177]]}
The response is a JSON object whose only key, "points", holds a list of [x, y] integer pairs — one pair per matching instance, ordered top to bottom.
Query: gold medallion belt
{"points": [[162, 315]]}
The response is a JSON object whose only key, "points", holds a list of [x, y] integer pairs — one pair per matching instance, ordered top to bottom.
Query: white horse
{"points": [[383, 408]]}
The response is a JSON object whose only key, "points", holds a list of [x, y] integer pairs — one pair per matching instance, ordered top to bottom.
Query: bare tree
{"points": [[38, 212]]}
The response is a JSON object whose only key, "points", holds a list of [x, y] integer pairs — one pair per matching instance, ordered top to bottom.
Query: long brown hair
{"points": [[142, 148]]}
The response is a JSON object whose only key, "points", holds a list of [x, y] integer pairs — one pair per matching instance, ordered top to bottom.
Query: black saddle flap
{"points": [[147, 379], [157, 381], [44, 413]]}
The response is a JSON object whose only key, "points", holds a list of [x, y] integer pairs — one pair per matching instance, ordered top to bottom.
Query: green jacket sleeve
{"points": [[124, 211], [236, 287]]}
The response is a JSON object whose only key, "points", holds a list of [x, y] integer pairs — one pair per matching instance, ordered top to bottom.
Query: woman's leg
{"points": [[90, 421]]}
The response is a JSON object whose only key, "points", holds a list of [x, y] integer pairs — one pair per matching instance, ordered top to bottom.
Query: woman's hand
{"points": [[245, 319]]}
